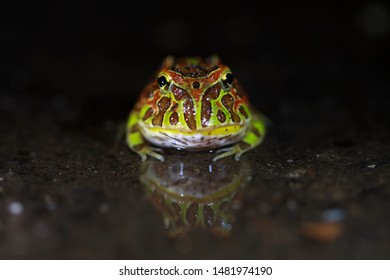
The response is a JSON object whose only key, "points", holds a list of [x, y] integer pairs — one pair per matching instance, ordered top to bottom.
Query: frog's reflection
{"points": [[194, 193]]}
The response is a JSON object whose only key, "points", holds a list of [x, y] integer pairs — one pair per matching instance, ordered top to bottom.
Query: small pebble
{"points": [[290, 160], [371, 166], [297, 173], [1, 179], [291, 205], [51, 206], [15, 208], [103, 208], [333, 215], [323, 232]]}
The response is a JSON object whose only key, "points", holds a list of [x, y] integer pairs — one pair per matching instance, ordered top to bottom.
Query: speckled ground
{"points": [[68, 189]]}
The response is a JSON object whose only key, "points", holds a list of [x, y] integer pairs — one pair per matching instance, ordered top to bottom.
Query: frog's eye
{"points": [[227, 79], [162, 81]]}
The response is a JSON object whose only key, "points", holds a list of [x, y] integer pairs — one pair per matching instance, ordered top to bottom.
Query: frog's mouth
{"points": [[208, 131], [206, 138]]}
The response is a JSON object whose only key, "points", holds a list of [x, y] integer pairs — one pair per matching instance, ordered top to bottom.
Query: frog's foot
{"points": [[236, 150], [144, 151]]}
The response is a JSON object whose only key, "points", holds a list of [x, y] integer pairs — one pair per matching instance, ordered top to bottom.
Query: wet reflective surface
{"points": [[73, 193], [191, 194]]}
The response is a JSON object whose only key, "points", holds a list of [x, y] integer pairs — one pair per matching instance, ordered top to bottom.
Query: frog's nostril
{"points": [[196, 85]]}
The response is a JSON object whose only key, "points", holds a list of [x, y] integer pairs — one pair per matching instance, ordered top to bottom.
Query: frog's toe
{"points": [[155, 149], [236, 150], [152, 152], [225, 152], [156, 155], [238, 155], [143, 156]]}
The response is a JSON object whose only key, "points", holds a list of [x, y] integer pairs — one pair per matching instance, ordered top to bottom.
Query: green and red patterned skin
{"points": [[194, 104]]}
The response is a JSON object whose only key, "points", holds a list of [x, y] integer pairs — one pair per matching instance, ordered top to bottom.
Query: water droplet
{"points": [[181, 172], [15, 208]]}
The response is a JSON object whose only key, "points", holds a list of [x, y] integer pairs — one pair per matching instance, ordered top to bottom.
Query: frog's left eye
{"points": [[228, 79], [162, 81]]}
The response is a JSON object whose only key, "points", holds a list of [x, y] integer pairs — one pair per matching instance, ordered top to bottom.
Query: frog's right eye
{"points": [[162, 81]]}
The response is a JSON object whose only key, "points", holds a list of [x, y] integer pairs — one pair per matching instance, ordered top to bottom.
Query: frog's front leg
{"points": [[253, 137], [136, 141]]}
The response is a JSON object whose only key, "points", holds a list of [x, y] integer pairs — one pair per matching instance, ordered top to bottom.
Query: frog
{"points": [[194, 104]]}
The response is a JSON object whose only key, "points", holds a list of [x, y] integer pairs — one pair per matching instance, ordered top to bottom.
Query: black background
{"points": [[309, 54]]}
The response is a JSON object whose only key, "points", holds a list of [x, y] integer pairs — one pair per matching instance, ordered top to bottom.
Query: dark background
{"points": [[303, 53], [70, 71]]}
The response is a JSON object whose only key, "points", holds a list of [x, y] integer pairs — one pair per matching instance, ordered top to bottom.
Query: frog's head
{"points": [[194, 76], [194, 94]]}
